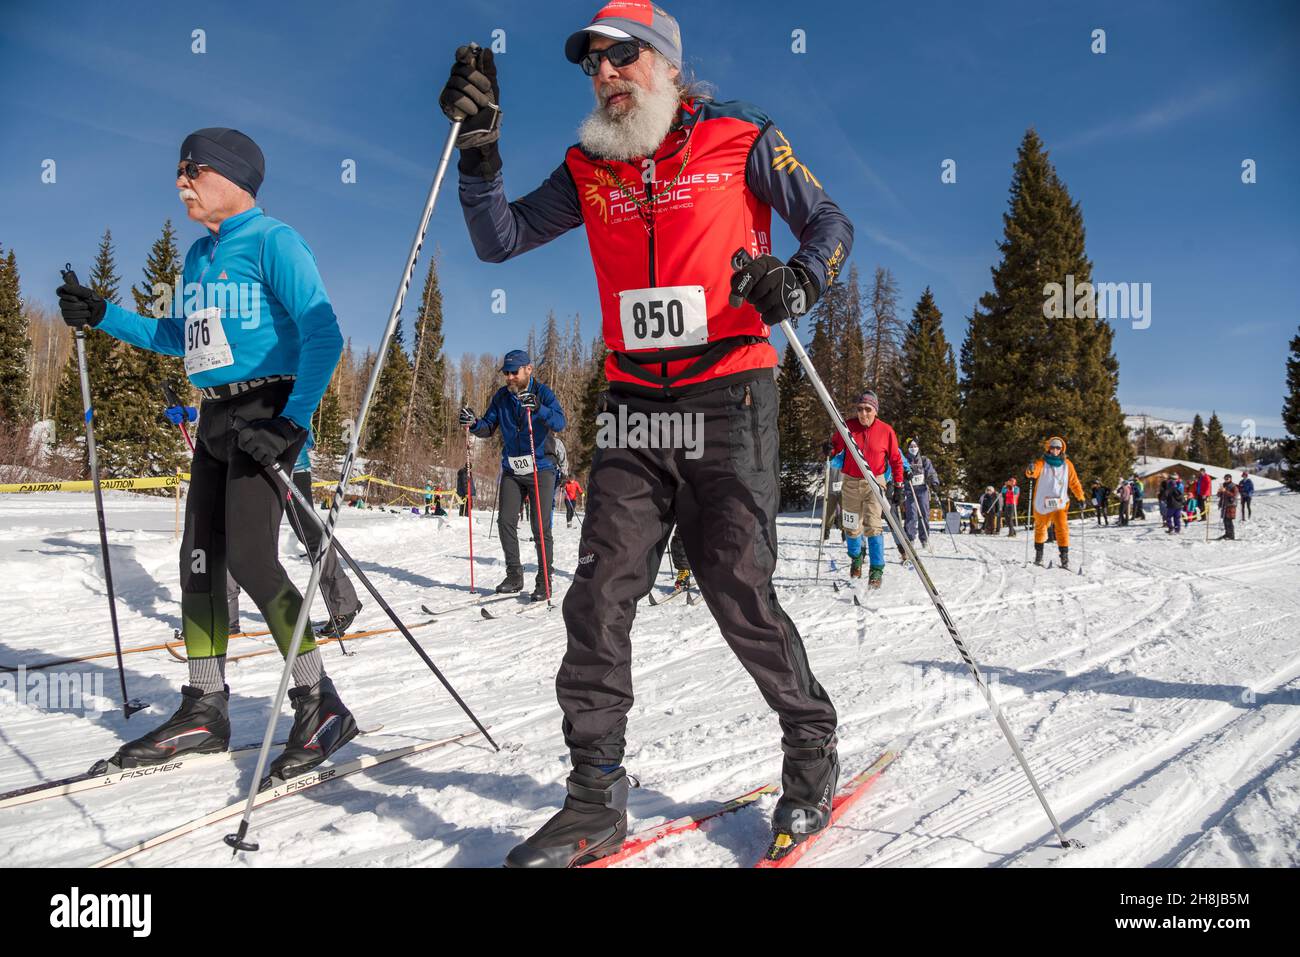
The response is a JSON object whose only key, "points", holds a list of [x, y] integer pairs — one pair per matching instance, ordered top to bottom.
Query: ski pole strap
{"points": [[232, 389], [823, 750]]}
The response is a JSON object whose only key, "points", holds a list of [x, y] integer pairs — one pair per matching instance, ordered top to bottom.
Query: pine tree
{"points": [[882, 337], [15, 347], [102, 355], [1032, 364], [930, 403], [428, 416], [327, 423], [383, 436], [139, 440], [1216, 444], [1290, 446], [1196, 448], [800, 455], [580, 458]]}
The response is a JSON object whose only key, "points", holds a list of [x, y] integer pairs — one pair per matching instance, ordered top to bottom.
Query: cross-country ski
{"points": [[303, 358]]}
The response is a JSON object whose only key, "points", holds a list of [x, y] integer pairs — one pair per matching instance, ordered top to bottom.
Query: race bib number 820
{"points": [[663, 317]]}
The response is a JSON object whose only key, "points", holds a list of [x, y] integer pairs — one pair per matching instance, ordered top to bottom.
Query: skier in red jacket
{"points": [[668, 184]]}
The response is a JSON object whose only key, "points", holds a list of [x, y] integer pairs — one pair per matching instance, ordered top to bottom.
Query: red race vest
{"points": [[663, 264]]}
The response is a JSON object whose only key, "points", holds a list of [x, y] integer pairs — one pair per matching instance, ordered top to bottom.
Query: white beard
{"points": [[639, 130]]}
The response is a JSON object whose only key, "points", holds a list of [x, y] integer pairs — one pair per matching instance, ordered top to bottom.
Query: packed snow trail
{"points": [[1157, 696]]}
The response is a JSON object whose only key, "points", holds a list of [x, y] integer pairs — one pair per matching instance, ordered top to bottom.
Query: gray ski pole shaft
{"points": [[739, 260], [296, 494], [1029, 521], [822, 530], [129, 705], [237, 841]]}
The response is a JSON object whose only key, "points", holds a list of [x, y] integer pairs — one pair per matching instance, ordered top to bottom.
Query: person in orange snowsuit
{"points": [[1054, 482]]}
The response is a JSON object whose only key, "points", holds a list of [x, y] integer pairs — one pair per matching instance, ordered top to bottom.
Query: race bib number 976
{"points": [[663, 317], [206, 346]]}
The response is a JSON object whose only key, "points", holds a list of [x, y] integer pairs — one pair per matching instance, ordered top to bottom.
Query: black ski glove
{"points": [[473, 97], [779, 291], [79, 305], [529, 401], [467, 416], [266, 440]]}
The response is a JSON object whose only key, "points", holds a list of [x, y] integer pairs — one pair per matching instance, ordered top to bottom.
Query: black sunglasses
{"points": [[619, 55], [190, 169]]}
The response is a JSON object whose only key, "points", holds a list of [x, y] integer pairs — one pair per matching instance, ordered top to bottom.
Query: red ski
{"points": [[639, 842], [784, 852]]}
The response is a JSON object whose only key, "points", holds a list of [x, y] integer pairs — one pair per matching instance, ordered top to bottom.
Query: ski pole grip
{"points": [[739, 260], [70, 277]]}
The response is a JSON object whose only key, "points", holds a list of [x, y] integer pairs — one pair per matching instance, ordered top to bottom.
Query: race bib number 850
{"points": [[663, 317]]}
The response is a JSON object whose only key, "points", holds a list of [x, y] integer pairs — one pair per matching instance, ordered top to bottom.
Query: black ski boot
{"points": [[1038, 554], [1065, 556], [514, 581], [539, 588], [338, 625], [201, 725], [321, 725], [809, 776], [592, 824]]}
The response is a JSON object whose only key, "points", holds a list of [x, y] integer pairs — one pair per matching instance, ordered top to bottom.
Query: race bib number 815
{"points": [[663, 317]]}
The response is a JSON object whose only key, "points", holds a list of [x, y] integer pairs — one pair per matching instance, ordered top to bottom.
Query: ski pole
{"points": [[739, 260], [296, 494], [537, 500], [469, 505], [1029, 520], [822, 530], [1083, 536], [129, 705], [238, 840]]}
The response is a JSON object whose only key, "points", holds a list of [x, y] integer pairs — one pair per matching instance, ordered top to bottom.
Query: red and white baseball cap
{"points": [[631, 20]]}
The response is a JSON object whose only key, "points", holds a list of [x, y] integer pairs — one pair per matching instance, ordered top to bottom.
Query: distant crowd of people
{"points": [[1180, 502]]}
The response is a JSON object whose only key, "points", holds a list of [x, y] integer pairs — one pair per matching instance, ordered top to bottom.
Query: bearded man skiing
{"points": [[669, 184]]}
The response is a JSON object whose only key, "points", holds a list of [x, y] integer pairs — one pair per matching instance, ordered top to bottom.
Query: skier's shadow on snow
{"points": [[133, 585], [1124, 686], [483, 846]]}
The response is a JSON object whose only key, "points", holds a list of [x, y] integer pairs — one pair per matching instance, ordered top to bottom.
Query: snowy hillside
{"points": [[1157, 696]]}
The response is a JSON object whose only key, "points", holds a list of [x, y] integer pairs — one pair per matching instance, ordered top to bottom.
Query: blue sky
{"points": [[1149, 137]]}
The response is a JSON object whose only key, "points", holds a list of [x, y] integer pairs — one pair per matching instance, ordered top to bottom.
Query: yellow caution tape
{"points": [[85, 485]]}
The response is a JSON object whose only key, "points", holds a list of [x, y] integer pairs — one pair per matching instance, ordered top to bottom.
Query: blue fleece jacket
{"points": [[274, 310], [505, 412]]}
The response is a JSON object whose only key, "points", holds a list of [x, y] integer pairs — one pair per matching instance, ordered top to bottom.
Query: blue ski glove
{"points": [[177, 414]]}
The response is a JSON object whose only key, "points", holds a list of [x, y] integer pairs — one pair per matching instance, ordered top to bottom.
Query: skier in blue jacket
{"points": [[260, 341], [520, 398]]}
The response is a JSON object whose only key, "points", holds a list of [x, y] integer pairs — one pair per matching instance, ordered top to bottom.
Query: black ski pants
{"points": [[516, 492], [724, 503], [232, 520]]}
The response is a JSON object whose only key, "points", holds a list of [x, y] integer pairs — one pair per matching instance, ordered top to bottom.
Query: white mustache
{"points": [[614, 88], [185, 194]]}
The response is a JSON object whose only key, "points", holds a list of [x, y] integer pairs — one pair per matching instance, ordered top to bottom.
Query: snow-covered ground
{"points": [[1157, 696]]}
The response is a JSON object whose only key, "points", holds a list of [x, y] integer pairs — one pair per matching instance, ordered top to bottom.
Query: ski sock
{"points": [[854, 545], [876, 549], [308, 669], [208, 674], [607, 768]]}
